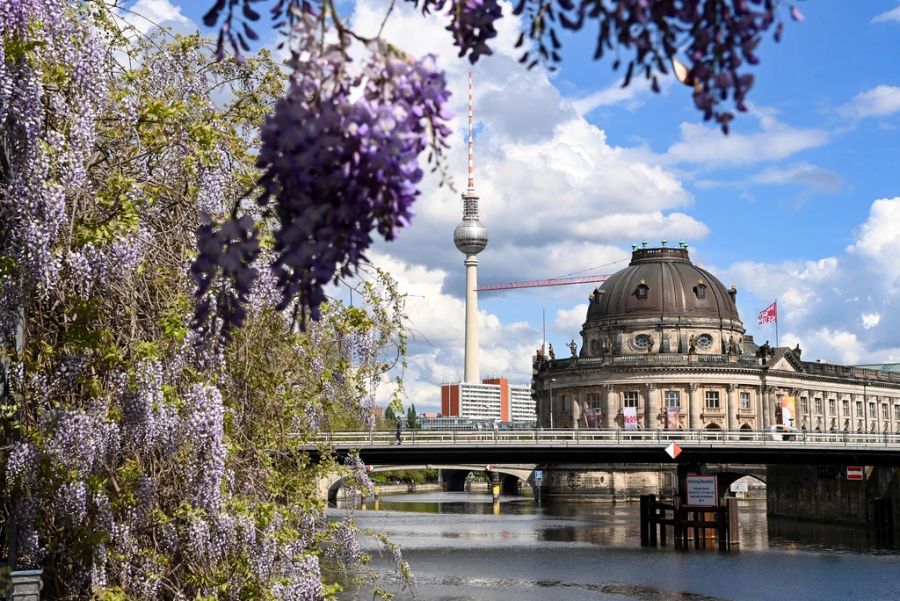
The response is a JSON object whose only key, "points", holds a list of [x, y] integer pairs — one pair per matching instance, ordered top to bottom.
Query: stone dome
{"points": [[662, 282], [658, 303]]}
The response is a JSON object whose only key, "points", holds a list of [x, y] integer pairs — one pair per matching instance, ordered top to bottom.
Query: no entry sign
{"points": [[855, 472]]}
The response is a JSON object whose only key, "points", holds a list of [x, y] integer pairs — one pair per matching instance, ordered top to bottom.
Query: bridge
{"points": [[480, 447]]}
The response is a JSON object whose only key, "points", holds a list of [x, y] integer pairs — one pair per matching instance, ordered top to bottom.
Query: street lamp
{"points": [[552, 380]]}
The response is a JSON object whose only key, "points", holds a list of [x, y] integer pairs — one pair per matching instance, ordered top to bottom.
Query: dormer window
{"points": [[700, 289], [642, 290]]}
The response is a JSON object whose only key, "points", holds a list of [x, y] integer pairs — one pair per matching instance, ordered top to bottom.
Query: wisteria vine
{"points": [[139, 457]]}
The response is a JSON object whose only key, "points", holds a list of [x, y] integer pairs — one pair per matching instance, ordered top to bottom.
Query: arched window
{"points": [[642, 290]]}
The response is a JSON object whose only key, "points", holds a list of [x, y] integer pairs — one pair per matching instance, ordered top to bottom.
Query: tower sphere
{"points": [[470, 237]]}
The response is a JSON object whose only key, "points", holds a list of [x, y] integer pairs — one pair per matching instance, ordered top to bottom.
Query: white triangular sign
{"points": [[673, 450]]}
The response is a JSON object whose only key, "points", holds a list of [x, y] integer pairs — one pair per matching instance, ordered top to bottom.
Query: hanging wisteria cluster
{"points": [[340, 161], [142, 459]]}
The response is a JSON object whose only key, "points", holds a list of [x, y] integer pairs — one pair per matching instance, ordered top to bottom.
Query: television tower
{"points": [[471, 238]]}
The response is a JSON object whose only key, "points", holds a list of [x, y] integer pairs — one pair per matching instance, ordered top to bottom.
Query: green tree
{"points": [[412, 419]]}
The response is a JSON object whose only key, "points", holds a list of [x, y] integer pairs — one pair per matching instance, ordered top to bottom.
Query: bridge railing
{"points": [[587, 437]]}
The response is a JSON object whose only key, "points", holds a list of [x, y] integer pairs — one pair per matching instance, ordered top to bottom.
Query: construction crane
{"points": [[587, 279]]}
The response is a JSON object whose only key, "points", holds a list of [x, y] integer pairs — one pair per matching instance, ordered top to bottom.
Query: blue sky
{"points": [[801, 202]]}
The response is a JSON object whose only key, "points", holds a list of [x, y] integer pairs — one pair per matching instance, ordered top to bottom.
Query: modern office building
{"points": [[493, 399]]}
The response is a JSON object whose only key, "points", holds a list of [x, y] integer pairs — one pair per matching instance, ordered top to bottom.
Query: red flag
{"points": [[769, 314]]}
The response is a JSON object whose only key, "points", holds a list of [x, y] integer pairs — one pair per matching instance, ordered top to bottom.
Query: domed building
{"points": [[664, 337]]}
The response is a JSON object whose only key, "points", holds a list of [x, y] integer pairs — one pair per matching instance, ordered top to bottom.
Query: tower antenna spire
{"points": [[470, 188], [471, 238]]}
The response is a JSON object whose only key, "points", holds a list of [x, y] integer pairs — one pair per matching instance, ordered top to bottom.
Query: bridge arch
{"points": [[510, 475], [726, 475]]}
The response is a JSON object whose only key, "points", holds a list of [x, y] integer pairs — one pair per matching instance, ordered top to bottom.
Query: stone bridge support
{"points": [[823, 493]]}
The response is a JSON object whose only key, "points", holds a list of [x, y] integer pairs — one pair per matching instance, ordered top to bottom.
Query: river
{"points": [[463, 547]]}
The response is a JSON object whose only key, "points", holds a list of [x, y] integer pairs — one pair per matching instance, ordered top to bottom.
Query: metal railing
{"points": [[609, 437]]}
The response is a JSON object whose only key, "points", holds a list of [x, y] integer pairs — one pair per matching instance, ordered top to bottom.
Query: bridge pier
{"points": [[824, 493]]}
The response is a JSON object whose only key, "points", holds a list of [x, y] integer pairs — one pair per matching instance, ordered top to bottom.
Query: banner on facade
{"points": [[789, 411], [590, 418], [673, 420], [631, 421]]}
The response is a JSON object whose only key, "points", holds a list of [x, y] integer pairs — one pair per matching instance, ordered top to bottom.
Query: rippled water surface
{"points": [[462, 546]]}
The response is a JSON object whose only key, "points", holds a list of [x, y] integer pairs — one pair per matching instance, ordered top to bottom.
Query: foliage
{"points": [[412, 419], [144, 461], [408, 476]]}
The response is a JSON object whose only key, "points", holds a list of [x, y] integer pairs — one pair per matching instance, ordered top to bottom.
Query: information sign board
{"points": [[538, 474], [702, 490]]}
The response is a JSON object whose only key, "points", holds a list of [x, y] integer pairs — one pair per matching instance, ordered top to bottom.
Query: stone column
{"points": [[771, 403], [653, 405], [610, 406], [731, 407], [694, 408], [575, 410]]}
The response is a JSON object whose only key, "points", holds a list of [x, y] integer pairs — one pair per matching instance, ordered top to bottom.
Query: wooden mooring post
{"points": [[697, 524]]}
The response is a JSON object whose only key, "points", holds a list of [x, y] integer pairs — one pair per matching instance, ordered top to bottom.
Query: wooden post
{"points": [[734, 523], [722, 526], [662, 528], [678, 530], [698, 531], [645, 534]]}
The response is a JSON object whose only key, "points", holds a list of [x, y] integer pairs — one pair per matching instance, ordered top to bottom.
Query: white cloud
{"points": [[144, 15], [891, 15], [631, 96], [880, 101], [706, 147], [812, 177], [646, 226], [878, 240], [844, 308], [571, 320], [870, 320], [835, 346], [436, 347]]}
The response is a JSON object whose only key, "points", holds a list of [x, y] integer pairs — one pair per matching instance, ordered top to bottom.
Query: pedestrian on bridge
{"points": [[399, 432]]}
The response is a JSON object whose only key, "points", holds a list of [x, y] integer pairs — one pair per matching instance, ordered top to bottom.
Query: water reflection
{"points": [[608, 524], [464, 546]]}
